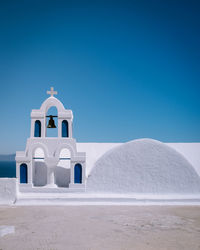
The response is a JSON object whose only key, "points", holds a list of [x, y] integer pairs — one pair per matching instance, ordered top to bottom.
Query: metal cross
{"points": [[52, 92]]}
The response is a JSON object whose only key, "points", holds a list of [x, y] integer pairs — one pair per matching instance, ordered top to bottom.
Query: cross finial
{"points": [[52, 92]]}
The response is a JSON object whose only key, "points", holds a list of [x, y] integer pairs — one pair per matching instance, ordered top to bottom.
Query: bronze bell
{"points": [[51, 123]]}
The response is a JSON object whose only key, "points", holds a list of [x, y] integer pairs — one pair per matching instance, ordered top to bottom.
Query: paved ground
{"points": [[101, 227]]}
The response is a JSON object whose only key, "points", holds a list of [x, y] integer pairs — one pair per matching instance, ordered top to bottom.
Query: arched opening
{"points": [[52, 131], [37, 132], [65, 132], [38, 153], [39, 168], [23, 173], [62, 173], [78, 173]]}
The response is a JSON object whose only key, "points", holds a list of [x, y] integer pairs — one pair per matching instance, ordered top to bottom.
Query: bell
{"points": [[51, 123]]}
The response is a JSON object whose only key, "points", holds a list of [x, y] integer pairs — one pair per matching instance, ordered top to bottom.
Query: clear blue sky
{"points": [[127, 69]]}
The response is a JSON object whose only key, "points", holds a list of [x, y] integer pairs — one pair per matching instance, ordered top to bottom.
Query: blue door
{"points": [[64, 128], [37, 132], [23, 173], [78, 173]]}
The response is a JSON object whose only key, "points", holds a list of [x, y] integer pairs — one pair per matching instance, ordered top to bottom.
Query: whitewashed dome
{"points": [[143, 166]]}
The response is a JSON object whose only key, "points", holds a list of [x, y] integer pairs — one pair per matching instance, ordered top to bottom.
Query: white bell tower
{"points": [[29, 172]]}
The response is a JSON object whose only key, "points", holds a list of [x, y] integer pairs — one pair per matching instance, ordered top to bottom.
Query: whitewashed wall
{"points": [[191, 151], [7, 190]]}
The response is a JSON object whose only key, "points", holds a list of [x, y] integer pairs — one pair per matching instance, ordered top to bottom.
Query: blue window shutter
{"points": [[23, 173], [78, 173]]}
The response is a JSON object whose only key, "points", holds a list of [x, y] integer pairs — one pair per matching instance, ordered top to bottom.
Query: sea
{"points": [[8, 169]]}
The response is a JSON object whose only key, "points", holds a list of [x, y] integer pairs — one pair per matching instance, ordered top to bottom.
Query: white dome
{"points": [[143, 166]]}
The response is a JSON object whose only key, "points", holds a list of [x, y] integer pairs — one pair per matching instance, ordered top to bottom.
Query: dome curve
{"points": [[143, 166]]}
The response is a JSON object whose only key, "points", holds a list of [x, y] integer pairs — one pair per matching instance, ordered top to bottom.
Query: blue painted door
{"points": [[64, 128], [37, 132], [23, 173], [78, 173]]}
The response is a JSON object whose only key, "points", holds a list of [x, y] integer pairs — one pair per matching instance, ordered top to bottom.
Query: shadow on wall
{"points": [[62, 176], [40, 178]]}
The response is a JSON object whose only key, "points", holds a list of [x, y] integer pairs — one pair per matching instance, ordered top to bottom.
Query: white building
{"points": [[51, 162]]}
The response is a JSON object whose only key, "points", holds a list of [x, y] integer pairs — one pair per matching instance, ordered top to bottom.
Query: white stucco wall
{"points": [[7, 190]]}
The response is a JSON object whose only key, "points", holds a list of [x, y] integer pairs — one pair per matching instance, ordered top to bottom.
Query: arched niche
{"points": [[65, 128], [37, 129], [52, 132], [65, 146], [33, 147], [65, 153], [38, 154], [64, 158], [39, 167], [62, 172], [23, 173], [78, 173]]}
